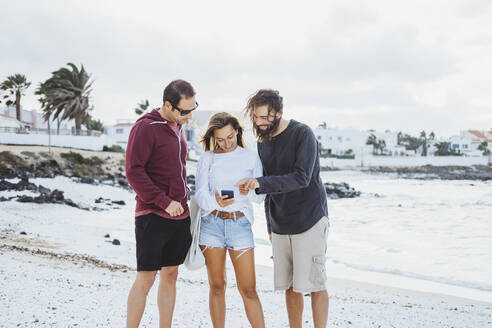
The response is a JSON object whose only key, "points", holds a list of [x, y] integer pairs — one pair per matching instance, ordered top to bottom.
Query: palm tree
{"points": [[15, 85], [67, 93], [142, 107], [95, 125], [399, 138], [372, 140], [423, 141], [411, 143], [381, 145], [443, 148], [484, 148]]}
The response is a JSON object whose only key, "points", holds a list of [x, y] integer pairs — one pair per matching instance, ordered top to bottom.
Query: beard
{"points": [[268, 132]]}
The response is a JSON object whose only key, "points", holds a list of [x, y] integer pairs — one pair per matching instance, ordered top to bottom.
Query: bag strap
{"points": [[210, 167]]}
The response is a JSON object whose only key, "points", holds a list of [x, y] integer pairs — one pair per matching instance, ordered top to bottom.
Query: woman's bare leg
{"points": [[215, 261], [244, 267]]}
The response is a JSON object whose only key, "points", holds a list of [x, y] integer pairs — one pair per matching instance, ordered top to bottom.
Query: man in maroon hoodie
{"points": [[156, 170]]}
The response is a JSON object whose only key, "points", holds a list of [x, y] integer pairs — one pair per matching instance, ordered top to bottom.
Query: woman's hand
{"points": [[243, 190], [223, 201]]}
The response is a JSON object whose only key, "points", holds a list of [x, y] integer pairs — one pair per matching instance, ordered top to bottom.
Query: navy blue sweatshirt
{"points": [[296, 197]]}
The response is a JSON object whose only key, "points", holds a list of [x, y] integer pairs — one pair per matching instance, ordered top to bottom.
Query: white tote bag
{"points": [[194, 259]]}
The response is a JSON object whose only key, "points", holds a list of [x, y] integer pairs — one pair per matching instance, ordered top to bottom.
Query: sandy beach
{"points": [[48, 289]]}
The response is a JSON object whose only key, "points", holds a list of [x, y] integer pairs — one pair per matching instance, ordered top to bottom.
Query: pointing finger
{"points": [[241, 182]]}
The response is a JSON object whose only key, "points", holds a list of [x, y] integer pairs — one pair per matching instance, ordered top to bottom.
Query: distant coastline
{"points": [[111, 165], [427, 172]]}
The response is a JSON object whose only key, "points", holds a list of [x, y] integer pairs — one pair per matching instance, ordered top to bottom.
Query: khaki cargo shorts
{"points": [[299, 260]]}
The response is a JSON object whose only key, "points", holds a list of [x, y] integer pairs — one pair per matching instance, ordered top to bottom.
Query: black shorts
{"points": [[161, 242]]}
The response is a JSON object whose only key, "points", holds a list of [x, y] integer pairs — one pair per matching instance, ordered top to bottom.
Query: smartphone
{"points": [[228, 193]]}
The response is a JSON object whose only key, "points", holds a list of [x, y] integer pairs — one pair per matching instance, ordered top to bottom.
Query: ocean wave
{"points": [[438, 279]]}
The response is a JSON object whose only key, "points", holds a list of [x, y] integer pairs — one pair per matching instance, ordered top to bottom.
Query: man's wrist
{"points": [[258, 190]]}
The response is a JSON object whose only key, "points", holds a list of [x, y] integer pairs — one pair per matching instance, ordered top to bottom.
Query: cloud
{"points": [[371, 64]]}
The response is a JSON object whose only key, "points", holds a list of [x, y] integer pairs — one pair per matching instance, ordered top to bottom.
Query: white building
{"points": [[31, 120], [7, 122], [120, 131], [477, 137], [468, 141], [343, 142], [461, 144]]}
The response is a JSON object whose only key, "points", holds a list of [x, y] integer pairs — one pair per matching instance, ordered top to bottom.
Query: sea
{"points": [[425, 235]]}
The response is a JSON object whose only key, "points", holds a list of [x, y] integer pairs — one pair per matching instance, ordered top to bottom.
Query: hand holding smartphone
{"points": [[228, 193]]}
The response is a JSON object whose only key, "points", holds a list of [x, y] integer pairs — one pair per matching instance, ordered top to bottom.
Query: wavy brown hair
{"points": [[218, 121]]}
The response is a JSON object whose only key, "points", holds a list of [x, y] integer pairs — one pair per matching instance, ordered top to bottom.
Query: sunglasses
{"points": [[184, 112]]}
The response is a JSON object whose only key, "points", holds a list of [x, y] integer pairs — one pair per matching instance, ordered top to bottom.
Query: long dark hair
{"points": [[218, 121]]}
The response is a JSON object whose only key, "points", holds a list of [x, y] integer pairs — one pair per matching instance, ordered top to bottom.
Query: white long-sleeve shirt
{"points": [[221, 172]]}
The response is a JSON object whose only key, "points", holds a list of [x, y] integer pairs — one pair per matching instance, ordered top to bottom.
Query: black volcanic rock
{"points": [[87, 180], [190, 181], [123, 182], [24, 184], [43, 190], [340, 190], [53, 197]]}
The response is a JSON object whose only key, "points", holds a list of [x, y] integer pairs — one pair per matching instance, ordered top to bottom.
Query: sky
{"points": [[384, 65]]}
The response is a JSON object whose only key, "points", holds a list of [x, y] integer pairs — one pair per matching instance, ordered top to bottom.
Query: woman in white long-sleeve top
{"points": [[226, 222]]}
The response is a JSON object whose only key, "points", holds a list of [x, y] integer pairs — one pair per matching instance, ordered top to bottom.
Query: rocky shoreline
{"points": [[96, 169], [429, 172], [48, 196]]}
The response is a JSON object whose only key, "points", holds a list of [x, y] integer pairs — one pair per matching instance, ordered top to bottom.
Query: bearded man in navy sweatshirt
{"points": [[156, 170], [295, 205]]}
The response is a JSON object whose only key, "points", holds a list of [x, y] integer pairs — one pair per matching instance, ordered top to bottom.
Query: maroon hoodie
{"points": [[156, 165]]}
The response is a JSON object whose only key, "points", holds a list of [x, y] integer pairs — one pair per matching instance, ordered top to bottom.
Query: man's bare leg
{"points": [[166, 295], [138, 296], [295, 305], [319, 305]]}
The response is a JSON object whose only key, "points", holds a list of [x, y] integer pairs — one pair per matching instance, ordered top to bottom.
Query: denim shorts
{"points": [[230, 234]]}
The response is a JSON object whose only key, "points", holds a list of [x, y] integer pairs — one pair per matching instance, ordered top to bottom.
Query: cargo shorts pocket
{"points": [[318, 271]]}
